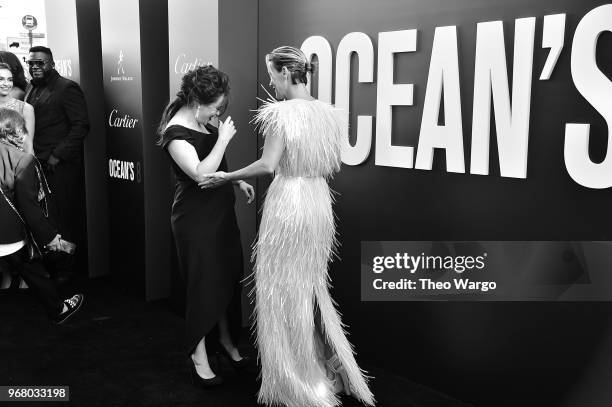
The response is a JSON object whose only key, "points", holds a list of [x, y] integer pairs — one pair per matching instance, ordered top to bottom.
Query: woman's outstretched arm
{"points": [[273, 150]]}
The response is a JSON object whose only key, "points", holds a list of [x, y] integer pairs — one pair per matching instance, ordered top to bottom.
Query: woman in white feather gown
{"points": [[305, 356]]}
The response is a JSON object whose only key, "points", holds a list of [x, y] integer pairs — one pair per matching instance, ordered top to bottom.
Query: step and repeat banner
{"points": [[73, 31], [203, 32], [120, 33], [193, 36], [63, 38], [134, 50], [135, 53], [466, 123], [477, 172]]}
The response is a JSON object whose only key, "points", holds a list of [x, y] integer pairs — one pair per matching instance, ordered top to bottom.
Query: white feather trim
{"points": [[312, 132], [295, 244]]}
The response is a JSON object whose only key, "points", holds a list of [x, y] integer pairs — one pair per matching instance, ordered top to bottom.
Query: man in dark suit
{"points": [[61, 125], [19, 206]]}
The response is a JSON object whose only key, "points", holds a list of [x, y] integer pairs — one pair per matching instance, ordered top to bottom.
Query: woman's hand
{"points": [[227, 129], [213, 180], [248, 190], [55, 244]]}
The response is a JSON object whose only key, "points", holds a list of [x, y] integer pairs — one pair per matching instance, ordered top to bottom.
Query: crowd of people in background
{"points": [[42, 127]]}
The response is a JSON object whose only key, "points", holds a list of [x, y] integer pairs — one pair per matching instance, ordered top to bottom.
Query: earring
{"points": [[197, 113]]}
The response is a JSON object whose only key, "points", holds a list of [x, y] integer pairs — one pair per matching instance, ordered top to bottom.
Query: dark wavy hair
{"points": [[295, 60], [16, 68], [202, 85], [11, 124]]}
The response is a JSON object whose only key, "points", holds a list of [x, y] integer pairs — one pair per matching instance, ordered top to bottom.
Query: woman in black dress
{"points": [[203, 221]]}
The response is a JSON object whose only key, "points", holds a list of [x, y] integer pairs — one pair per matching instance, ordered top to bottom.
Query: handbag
{"points": [[33, 252]]}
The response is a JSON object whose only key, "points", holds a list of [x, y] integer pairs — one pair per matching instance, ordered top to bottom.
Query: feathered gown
{"points": [[296, 241]]}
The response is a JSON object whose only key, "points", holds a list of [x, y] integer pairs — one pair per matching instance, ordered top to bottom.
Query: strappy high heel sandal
{"points": [[336, 372]]}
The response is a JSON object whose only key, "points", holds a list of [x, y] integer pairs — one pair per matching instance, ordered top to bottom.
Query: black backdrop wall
{"points": [[69, 23], [202, 32], [125, 48], [90, 53], [237, 57], [136, 83], [491, 354]]}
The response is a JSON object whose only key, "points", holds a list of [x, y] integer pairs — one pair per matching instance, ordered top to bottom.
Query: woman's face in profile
{"points": [[277, 81], [6, 82], [211, 111]]}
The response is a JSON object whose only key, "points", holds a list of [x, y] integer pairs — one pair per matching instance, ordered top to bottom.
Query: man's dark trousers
{"points": [[34, 274]]}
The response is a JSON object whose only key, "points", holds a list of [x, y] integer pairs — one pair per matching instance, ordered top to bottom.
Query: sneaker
{"points": [[73, 304]]}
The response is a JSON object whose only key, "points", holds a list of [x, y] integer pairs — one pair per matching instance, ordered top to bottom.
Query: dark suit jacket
{"points": [[61, 118], [19, 182]]}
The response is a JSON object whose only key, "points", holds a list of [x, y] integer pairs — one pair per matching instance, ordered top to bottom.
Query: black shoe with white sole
{"points": [[73, 304]]}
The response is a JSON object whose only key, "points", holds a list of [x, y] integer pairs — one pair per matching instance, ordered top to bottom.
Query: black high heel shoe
{"points": [[236, 364], [199, 381]]}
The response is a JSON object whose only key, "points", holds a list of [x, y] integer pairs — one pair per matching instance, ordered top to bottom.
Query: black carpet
{"points": [[121, 351]]}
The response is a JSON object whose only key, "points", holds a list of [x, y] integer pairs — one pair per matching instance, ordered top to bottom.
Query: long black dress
{"points": [[207, 241]]}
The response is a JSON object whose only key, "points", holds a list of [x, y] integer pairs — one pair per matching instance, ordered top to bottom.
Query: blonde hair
{"points": [[294, 60], [11, 124]]}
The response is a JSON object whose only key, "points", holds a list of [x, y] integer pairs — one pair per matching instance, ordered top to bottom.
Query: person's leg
{"points": [[67, 209], [60, 265], [37, 279], [225, 339], [327, 357], [200, 360]]}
